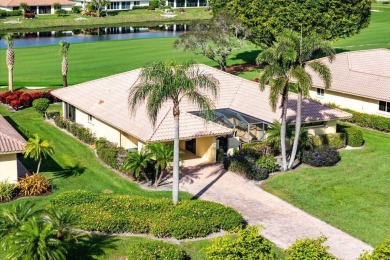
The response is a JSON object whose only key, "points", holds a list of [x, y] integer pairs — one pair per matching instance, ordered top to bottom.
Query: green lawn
{"points": [[114, 18], [41, 66], [353, 196]]}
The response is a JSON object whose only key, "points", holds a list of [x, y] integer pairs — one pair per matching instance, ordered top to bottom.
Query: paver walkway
{"points": [[282, 223]]}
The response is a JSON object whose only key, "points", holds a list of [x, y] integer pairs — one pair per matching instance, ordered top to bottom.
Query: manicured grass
{"points": [[113, 18], [41, 66], [353, 196]]}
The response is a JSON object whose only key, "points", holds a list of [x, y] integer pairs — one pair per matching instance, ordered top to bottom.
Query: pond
{"points": [[44, 38]]}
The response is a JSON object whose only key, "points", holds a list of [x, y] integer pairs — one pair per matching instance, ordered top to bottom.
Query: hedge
{"points": [[4, 13], [376, 122], [82, 133], [354, 135], [337, 140], [110, 153], [159, 217], [153, 249]]}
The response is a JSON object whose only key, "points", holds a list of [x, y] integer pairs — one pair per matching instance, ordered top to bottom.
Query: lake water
{"points": [[96, 34]]}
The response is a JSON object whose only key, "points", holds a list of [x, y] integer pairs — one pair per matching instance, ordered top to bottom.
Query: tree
{"points": [[99, 5], [57, 6], [24, 7], [331, 19], [215, 40], [64, 51], [10, 59], [285, 61], [163, 82], [37, 148], [163, 154], [137, 162]]}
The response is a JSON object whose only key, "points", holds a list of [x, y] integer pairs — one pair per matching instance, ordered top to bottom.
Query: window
{"points": [[137, 3], [114, 5], [125, 5], [320, 91], [384, 106], [90, 118], [314, 124]]}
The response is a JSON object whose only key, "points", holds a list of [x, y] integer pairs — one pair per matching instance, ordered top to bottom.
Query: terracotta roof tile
{"points": [[10, 140]]}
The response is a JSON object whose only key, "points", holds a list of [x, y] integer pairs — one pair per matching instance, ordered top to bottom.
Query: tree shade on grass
{"points": [[353, 196]]}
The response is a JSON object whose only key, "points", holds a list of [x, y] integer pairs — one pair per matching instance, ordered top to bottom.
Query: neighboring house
{"points": [[128, 5], [36, 6], [360, 81], [243, 114], [11, 143]]}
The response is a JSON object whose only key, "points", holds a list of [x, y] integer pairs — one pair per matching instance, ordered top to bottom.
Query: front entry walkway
{"points": [[282, 223]]}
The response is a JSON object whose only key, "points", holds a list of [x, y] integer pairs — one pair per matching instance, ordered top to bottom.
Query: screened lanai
{"points": [[246, 128]]}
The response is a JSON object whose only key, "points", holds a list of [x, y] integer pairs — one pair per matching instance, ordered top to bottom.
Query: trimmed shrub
{"points": [[139, 7], [76, 9], [61, 12], [4, 13], [26, 100], [16, 104], [41, 105], [376, 122], [354, 136], [336, 141], [259, 146], [110, 153], [321, 156], [268, 162], [34, 185], [7, 191], [109, 213], [245, 244], [153, 249], [309, 249], [381, 252]]}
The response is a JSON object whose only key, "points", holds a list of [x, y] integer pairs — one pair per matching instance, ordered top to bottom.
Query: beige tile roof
{"points": [[16, 3], [360, 73], [106, 99], [10, 140]]}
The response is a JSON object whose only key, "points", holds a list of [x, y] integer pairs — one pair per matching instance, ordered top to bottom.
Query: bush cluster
{"points": [[139, 7], [76, 9], [61, 12], [4, 13], [21, 99], [41, 105], [376, 122], [82, 133], [354, 136], [337, 140], [259, 146], [110, 153], [321, 156], [244, 162], [34, 185], [7, 191], [159, 217], [153, 249], [309, 249], [381, 251]]}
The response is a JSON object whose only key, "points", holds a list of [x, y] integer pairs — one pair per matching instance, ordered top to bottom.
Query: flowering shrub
{"points": [[321, 156]]}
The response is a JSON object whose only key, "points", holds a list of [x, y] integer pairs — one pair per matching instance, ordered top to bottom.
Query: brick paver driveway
{"points": [[282, 222]]}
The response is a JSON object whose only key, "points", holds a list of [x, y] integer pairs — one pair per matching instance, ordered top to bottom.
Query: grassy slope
{"points": [[114, 18], [41, 66], [353, 196]]}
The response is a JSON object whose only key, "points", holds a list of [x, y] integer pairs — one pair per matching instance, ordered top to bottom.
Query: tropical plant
{"points": [[98, 5], [57, 6], [24, 7], [216, 39], [64, 51], [10, 59], [286, 61], [161, 82], [274, 133], [36, 148], [163, 154], [137, 162], [34, 185], [7, 190], [62, 221]]}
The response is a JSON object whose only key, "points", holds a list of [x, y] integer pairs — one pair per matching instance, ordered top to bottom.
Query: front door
{"points": [[191, 146]]}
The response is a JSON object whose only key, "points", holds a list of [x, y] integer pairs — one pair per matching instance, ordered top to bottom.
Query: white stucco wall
{"points": [[6, 8], [359, 104], [329, 128], [8, 168]]}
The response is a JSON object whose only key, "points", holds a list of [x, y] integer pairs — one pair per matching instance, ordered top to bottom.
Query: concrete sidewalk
{"points": [[282, 223]]}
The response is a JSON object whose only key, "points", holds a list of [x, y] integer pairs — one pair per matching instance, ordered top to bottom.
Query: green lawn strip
{"points": [[125, 18], [41, 66], [73, 166], [353, 196]]}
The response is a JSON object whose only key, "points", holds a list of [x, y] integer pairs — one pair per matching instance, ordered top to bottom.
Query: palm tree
{"points": [[64, 51], [10, 59], [285, 62], [163, 82], [273, 135], [37, 148], [163, 154], [137, 162], [62, 221]]}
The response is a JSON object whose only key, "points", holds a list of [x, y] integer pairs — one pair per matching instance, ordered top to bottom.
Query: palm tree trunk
{"points": [[11, 79], [64, 80], [284, 128], [297, 129], [39, 163], [145, 176], [156, 177], [159, 178], [175, 187]]}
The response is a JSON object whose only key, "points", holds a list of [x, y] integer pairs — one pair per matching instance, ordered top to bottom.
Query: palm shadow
{"points": [[69, 171], [90, 247]]}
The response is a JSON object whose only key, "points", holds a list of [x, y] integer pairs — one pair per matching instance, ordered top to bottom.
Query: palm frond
{"points": [[323, 72]]}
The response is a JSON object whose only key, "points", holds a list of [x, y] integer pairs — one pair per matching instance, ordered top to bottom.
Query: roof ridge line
{"points": [[159, 124], [11, 138]]}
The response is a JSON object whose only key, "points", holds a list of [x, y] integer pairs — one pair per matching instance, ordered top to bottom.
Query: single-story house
{"points": [[128, 5], [36, 6], [360, 81], [242, 111], [11, 143]]}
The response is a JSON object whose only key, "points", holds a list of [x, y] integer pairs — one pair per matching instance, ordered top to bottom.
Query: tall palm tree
{"points": [[64, 51], [10, 59], [285, 62], [163, 82], [37, 148], [163, 154], [137, 162]]}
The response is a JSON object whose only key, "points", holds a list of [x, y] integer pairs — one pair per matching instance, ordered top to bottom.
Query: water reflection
{"points": [[96, 34]]}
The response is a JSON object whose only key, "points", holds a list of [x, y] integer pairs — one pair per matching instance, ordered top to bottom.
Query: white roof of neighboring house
{"points": [[16, 3], [360, 73], [107, 100], [10, 140]]}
